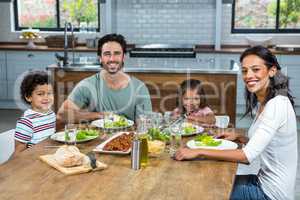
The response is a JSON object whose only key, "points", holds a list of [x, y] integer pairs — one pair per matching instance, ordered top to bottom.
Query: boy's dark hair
{"points": [[112, 38], [31, 81], [191, 84], [279, 84]]}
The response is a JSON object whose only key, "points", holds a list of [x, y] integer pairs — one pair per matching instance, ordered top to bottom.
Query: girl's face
{"points": [[256, 75], [41, 98], [191, 100]]}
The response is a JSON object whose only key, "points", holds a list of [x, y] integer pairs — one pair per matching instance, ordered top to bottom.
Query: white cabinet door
{"points": [[19, 62], [2, 66], [3, 90]]}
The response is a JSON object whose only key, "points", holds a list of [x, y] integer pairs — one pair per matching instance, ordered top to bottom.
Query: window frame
{"points": [[19, 28], [276, 29]]}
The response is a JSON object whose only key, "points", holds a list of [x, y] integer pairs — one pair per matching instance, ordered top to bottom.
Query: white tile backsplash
{"points": [[166, 21]]}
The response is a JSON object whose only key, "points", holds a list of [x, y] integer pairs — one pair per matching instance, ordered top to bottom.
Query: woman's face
{"points": [[256, 74], [191, 100]]}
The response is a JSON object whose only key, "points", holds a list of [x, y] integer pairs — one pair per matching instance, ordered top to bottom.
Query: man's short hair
{"points": [[112, 38]]}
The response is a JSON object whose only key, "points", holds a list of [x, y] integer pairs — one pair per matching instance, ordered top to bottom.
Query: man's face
{"points": [[112, 57]]}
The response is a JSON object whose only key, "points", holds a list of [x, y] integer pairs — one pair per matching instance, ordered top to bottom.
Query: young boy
{"points": [[38, 122]]}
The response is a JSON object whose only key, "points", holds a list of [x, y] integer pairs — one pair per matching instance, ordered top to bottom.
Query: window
{"points": [[50, 15], [266, 16]]}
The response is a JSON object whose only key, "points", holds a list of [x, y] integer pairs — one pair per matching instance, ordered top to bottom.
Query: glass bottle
{"points": [[142, 135]]}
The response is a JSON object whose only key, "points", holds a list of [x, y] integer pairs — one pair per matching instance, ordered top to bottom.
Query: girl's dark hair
{"points": [[112, 38], [31, 81], [191, 84], [279, 84]]}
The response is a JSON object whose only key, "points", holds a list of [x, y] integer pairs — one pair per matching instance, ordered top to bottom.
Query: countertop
{"points": [[82, 48], [164, 65]]}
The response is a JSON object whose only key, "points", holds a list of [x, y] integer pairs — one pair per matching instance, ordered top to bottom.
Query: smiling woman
{"points": [[272, 135]]}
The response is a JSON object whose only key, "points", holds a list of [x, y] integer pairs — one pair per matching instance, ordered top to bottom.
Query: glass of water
{"points": [[70, 133], [175, 139]]}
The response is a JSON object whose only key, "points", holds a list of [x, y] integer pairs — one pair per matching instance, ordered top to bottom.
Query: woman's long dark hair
{"points": [[279, 83], [191, 84]]}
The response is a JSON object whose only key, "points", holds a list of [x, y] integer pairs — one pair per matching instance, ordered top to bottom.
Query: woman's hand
{"points": [[227, 135], [186, 154]]}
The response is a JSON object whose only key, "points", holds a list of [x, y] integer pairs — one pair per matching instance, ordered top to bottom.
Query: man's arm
{"points": [[69, 112]]}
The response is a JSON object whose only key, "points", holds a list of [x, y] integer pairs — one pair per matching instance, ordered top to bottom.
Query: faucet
{"points": [[65, 58]]}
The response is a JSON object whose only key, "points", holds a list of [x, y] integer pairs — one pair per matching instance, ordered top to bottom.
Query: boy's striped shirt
{"points": [[33, 127]]}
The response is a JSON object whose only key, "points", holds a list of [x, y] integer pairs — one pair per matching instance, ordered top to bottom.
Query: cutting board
{"points": [[49, 159]]}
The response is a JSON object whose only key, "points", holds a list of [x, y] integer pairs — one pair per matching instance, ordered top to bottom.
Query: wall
{"points": [[159, 21], [167, 21]]}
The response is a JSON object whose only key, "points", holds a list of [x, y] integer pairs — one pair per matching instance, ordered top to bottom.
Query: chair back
{"points": [[222, 121], [7, 145]]}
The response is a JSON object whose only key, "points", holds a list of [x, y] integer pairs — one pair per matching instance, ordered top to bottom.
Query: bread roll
{"points": [[69, 156]]}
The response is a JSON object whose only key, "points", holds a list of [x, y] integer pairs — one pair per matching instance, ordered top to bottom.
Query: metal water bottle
{"points": [[136, 154]]}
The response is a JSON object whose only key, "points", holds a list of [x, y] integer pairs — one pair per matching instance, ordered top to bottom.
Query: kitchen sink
{"points": [[84, 65]]}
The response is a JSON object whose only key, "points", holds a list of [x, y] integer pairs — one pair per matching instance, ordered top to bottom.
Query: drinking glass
{"points": [[167, 117], [155, 119], [142, 125], [70, 133], [175, 139]]}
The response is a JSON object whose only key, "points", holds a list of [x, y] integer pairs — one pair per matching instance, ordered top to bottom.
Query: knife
{"points": [[91, 156]]}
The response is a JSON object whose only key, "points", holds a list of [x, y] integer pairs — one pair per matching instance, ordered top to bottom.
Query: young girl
{"points": [[192, 102], [38, 122], [273, 133]]}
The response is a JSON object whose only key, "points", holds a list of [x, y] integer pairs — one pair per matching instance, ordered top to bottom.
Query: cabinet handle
{"points": [[30, 55]]}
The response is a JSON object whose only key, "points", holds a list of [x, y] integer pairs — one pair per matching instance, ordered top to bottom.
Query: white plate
{"points": [[100, 123], [199, 129], [60, 137], [225, 145], [100, 147]]}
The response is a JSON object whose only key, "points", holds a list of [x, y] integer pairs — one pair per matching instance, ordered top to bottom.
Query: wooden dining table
{"points": [[27, 177]]}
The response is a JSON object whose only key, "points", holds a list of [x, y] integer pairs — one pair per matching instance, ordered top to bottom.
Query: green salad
{"points": [[117, 122], [189, 130], [84, 134], [156, 134], [206, 140]]}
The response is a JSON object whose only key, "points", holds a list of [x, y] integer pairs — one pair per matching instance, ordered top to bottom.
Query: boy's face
{"points": [[41, 98], [191, 100]]}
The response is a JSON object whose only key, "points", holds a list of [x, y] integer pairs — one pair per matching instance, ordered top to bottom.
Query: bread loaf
{"points": [[69, 156]]}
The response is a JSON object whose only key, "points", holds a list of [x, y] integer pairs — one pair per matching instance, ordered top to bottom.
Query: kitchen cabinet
{"points": [[20, 62], [13, 65], [3, 83]]}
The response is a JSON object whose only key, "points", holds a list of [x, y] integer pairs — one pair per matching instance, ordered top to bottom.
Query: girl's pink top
{"points": [[199, 113]]}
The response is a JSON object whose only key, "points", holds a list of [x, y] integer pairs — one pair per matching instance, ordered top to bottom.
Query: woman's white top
{"points": [[273, 137]]}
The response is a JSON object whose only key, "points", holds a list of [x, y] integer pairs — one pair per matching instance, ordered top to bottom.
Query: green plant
{"points": [[80, 10], [289, 12], [47, 23]]}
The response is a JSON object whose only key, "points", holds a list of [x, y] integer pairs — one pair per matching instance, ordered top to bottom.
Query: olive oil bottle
{"points": [[144, 149]]}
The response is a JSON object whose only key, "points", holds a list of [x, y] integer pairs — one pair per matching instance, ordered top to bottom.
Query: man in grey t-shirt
{"points": [[110, 90]]}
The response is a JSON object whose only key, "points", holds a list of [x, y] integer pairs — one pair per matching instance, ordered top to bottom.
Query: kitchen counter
{"points": [[82, 48], [164, 65]]}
